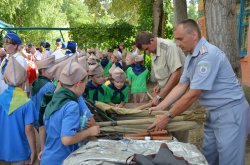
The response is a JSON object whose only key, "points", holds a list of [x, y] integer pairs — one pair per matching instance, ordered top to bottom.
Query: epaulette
{"points": [[163, 46], [203, 50]]}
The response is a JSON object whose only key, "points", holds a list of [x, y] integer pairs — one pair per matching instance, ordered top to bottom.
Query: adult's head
{"points": [[187, 34], [146, 41], [11, 42]]}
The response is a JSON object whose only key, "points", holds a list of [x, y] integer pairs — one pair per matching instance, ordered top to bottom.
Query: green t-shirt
{"points": [[106, 69], [138, 82], [101, 97], [117, 97]]}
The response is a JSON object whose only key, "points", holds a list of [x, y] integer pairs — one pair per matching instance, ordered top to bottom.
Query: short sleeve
{"points": [[173, 58], [205, 74], [30, 113], [71, 119]]}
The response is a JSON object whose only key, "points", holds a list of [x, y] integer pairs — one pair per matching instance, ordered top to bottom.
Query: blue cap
{"points": [[14, 37], [58, 40], [43, 44], [64, 44], [30, 45], [47, 45], [72, 46]]}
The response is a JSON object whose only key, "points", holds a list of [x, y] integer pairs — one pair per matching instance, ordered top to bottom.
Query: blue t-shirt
{"points": [[208, 69], [37, 98], [64, 122], [13, 141]]}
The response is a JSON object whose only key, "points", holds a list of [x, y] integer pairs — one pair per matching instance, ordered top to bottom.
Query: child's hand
{"points": [[119, 105], [90, 123], [94, 131], [40, 155], [33, 157]]}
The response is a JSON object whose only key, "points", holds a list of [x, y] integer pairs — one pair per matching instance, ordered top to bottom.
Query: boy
{"points": [[106, 64], [138, 79], [43, 83], [95, 89], [117, 89], [17, 114], [62, 116]]}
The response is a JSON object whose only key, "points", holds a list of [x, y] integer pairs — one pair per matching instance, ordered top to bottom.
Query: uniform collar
{"points": [[199, 47], [158, 50]]}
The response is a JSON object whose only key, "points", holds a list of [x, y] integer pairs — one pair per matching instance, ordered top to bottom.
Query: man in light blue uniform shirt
{"points": [[210, 78]]}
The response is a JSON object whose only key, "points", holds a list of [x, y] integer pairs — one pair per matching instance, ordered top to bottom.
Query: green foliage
{"points": [[193, 12], [35, 13], [146, 15], [168, 30], [103, 35]]}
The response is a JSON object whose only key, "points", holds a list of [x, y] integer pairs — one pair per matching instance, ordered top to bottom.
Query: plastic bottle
{"points": [[83, 124]]}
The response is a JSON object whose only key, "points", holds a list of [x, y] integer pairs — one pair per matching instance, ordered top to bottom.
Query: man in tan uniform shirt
{"points": [[167, 62]]}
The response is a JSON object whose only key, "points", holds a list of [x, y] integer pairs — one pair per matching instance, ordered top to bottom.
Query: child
{"points": [[92, 59], [116, 60], [130, 60], [106, 64], [138, 79], [43, 83], [95, 89], [118, 90], [17, 114], [62, 117]]}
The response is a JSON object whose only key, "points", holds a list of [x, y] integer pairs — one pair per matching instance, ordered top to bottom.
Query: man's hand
{"points": [[156, 89], [155, 101], [157, 108], [160, 123]]}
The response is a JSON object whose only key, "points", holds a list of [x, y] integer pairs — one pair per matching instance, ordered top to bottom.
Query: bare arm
{"points": [[171, 83], [174, 95], [180, 106], [89, 132], [30, 134], [42, 135]]}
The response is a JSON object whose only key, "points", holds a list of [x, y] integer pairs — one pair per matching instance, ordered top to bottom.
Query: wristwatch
{"points": [[158, 98], [169, 115]]}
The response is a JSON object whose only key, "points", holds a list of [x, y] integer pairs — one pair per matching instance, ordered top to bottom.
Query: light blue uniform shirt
{"points": [[208, 69], [37, 98], [64, 122], [14, 144]]}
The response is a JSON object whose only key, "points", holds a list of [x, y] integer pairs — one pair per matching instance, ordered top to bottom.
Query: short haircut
{"points": [[190, 25], [143, 38], [9, 41]]}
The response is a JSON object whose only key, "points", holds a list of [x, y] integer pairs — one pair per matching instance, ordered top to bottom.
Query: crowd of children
{"points": [[45, 91]]}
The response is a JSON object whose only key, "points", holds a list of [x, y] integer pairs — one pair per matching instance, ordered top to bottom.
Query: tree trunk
{"points": [[180, 10], [158, 18], [221, 25]]}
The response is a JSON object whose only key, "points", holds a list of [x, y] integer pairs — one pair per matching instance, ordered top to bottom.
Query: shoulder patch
{"points": [[163, 46], [203, 50]]}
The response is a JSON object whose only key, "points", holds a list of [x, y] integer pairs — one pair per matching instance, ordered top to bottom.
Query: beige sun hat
{"points": [[139, 58], [83, 62], [45, 63], [55, 70], [95, 70], [15, 73], [72, 73], [118, 74]]}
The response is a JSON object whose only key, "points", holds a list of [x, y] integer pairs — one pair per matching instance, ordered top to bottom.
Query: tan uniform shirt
{"points": [[167, 60]]}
